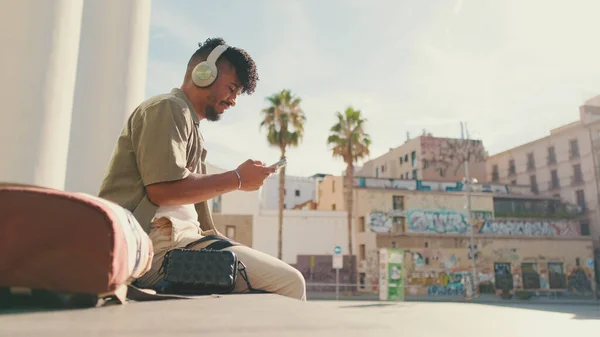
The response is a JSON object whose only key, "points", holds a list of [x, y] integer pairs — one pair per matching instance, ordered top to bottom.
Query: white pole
{"points": [[38, 67], [111, 82], [469, 208], [337, 284]]}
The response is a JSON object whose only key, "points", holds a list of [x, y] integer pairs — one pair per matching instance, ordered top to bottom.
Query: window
{"points": [[573, 148], [551, 155], [406, 157], [413, 158], [401, 161], [530, 161], [382, 168], [512, 170], [377, 172], [442, 172], [495, 173], [414, 174], [577, 175], [402, 176], [513, 182], [554, 182], [533, 183], [333, 186], [297, 192], [580, 199], [398, 202], [284, 206], [333, 207], [398, 223], [361, 224], [585, 228], [230, 232], [362, 252], [556, 275], [503, 276], [531, 278], [362, 280]]}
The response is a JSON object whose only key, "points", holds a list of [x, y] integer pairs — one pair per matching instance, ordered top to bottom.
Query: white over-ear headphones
{"points": [[205, 73]]}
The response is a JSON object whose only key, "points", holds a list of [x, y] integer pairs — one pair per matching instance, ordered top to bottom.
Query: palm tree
{"points": [[284, 121], [351, 143]]}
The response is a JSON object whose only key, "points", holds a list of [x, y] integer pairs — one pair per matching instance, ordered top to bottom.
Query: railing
{"points": [[576, 180], [425, 185], [553, 185], [486, 292]]}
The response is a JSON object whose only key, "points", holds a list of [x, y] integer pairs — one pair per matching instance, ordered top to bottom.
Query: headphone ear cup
{"points": [[204, 74]]}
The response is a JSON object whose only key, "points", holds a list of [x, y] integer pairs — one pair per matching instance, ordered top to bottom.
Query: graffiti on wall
{"points": [[442, 221], [382, 222], [439, 222], [453, 222], [530, 228], [579, 281], [439, 283]]}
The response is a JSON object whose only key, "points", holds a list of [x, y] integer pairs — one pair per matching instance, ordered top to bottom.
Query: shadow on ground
{"points": [[583, 312]]}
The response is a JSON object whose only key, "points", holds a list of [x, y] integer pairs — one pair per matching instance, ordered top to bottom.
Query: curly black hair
{"points": [[239, 58]]}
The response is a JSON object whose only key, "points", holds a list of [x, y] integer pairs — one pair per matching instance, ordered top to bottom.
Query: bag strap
{"points": [[242, 271], [139, 295]]}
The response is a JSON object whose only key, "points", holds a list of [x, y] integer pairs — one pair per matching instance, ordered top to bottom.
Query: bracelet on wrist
{"points": [[239, 179]]}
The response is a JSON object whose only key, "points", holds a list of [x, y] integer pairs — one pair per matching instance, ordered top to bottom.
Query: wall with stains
{"points": [[436, 266]]}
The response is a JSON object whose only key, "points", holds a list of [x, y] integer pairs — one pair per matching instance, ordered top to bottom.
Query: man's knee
{"points": [[296, 284]]}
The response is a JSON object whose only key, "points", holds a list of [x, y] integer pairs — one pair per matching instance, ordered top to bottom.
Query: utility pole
{"points": [[468, 183]]}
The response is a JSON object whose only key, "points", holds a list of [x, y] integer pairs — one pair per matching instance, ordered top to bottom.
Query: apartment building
{"points": [[428, 158], [563, 164], [297, 191], [331, 194], [522, 242]]}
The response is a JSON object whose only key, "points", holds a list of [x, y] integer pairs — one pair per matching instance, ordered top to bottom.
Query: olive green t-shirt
{"points": [[160, 142]]}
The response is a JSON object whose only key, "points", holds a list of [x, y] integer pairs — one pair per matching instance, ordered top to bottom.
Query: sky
{"points": [[512, 69]]}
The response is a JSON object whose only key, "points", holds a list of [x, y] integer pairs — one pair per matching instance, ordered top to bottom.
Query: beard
{"points": [[211, 114]]}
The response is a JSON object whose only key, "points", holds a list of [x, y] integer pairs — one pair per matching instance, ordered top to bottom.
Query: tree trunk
{"points": [[281, 202], [349, 203], [349, 208]]}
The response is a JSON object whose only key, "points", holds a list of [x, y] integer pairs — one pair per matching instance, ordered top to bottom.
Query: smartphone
{"points": [[280, 163]]}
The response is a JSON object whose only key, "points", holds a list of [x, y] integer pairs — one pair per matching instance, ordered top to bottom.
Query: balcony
{"points": [[574, 154], [577, 180], [553, 185], [535, 189], [518, 211]]}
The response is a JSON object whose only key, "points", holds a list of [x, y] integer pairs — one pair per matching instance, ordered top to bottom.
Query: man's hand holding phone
{"points": [[252, 174]]}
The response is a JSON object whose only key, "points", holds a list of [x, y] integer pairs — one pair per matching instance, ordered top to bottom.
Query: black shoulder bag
{"points": [[202, 272]]}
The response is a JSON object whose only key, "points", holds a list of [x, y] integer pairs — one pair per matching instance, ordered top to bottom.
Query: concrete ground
{"points": [[270, 315]]}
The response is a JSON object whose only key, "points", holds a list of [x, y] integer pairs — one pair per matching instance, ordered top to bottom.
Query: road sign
{"points": [[337, 250], [338, 261]]}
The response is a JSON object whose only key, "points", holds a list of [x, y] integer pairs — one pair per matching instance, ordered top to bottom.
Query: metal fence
{"points": [[355, 292]]}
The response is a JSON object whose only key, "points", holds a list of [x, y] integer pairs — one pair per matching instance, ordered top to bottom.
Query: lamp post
{"points": [[468, 182]]}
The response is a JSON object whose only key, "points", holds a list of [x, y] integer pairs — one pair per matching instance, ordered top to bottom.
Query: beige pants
{"points": [[264, 271]]}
